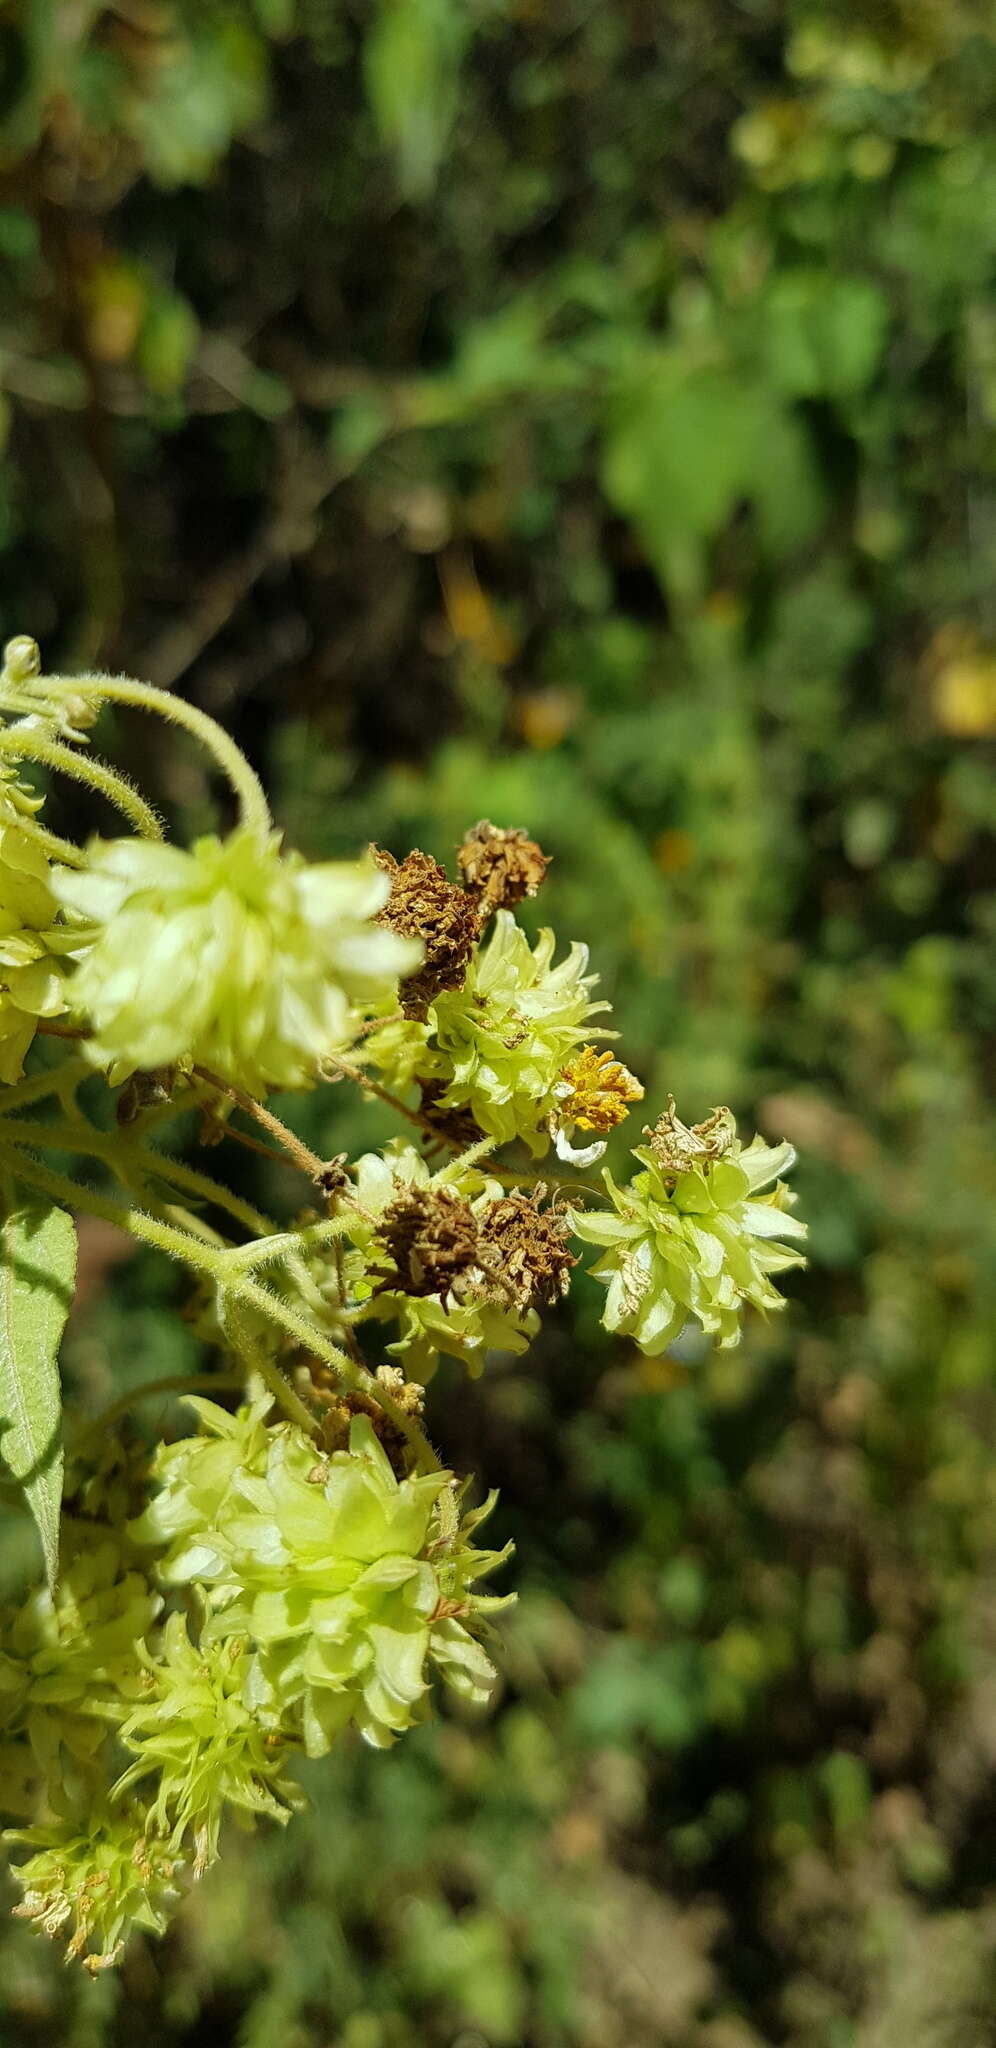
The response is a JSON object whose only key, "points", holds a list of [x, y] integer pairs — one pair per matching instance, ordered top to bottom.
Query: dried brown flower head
{"points": [[500, 865], [424, 905], [596, 1090], [679, 1147], [430, 1235], [524, 1250]]}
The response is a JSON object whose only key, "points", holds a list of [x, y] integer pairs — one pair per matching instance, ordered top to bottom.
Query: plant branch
{"points": [[24, 745], [254, 811], [294, 1146]]}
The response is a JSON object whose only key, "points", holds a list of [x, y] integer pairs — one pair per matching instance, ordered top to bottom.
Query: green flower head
{"points": [[233, 955], [499, 1045], [692, 1236], [344, 1581], [69, 1671], [195, 1734], [96, 1881]]}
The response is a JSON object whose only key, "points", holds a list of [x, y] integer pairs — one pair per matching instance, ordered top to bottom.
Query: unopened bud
{"points": [[21, 659]]}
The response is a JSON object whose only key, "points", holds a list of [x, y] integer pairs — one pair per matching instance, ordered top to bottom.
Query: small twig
{"points": [[52, 1030], [371, 1087], [252, 1144], [296, 1149]]}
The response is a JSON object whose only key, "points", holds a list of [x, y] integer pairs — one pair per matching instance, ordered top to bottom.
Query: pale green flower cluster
{"points": [[32, 946], [233, 956], [498, 1046], [691, 1236], [467, 1326], [345, 1582], [327, 1590], [68, 1673], [69, 1677], [195, 1734], [94, 1881]]}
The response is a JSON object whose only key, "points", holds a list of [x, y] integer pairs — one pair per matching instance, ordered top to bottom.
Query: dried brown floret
{"points": [[500, 865], [424, 905], [144, 1090], [595, 1090], [679, 1147], [334, 1179], [430, 1235], [524, 1250], [408, 1395]]}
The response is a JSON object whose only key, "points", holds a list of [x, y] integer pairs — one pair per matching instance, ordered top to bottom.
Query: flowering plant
{"points": [[303, 1563]]}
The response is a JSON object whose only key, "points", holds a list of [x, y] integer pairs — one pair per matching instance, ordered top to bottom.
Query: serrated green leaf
{"points": [[37, 1274]]}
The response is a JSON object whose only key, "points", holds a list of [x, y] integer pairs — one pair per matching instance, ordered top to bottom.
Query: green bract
{"points": [[234, 956], [498, 1046], [696, 1243], [345, 1581]]}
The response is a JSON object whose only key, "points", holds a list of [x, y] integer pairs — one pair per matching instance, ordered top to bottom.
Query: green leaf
{"points": [[411, 64], [823, 336], [681, 447], [788, 492], [37, 1274]]}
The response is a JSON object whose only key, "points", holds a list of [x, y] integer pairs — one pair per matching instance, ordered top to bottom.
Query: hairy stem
{"points": [[22, 745], [254, 811], [363, 1080], [37, 1087], [294, 1146], [120, 1152], [207, 1260]]}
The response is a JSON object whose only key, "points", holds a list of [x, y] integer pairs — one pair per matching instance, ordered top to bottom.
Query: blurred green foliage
{"points": [[586, 416]]}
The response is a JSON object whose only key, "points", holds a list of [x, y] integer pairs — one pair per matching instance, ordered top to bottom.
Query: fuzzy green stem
{"points": [[22, 745], [254, 811], [57, 849], [37, 1087], [296, 1149], [118, 1152], [454, 1167], [243, 1258], [206, 1260], [347, 1369]]}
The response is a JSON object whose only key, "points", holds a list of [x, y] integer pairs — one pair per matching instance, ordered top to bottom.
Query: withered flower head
{"points": [[500, 865], [424, 905], [595, 1090], [679, 1147], [431, 1236], [524, 1250]]}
